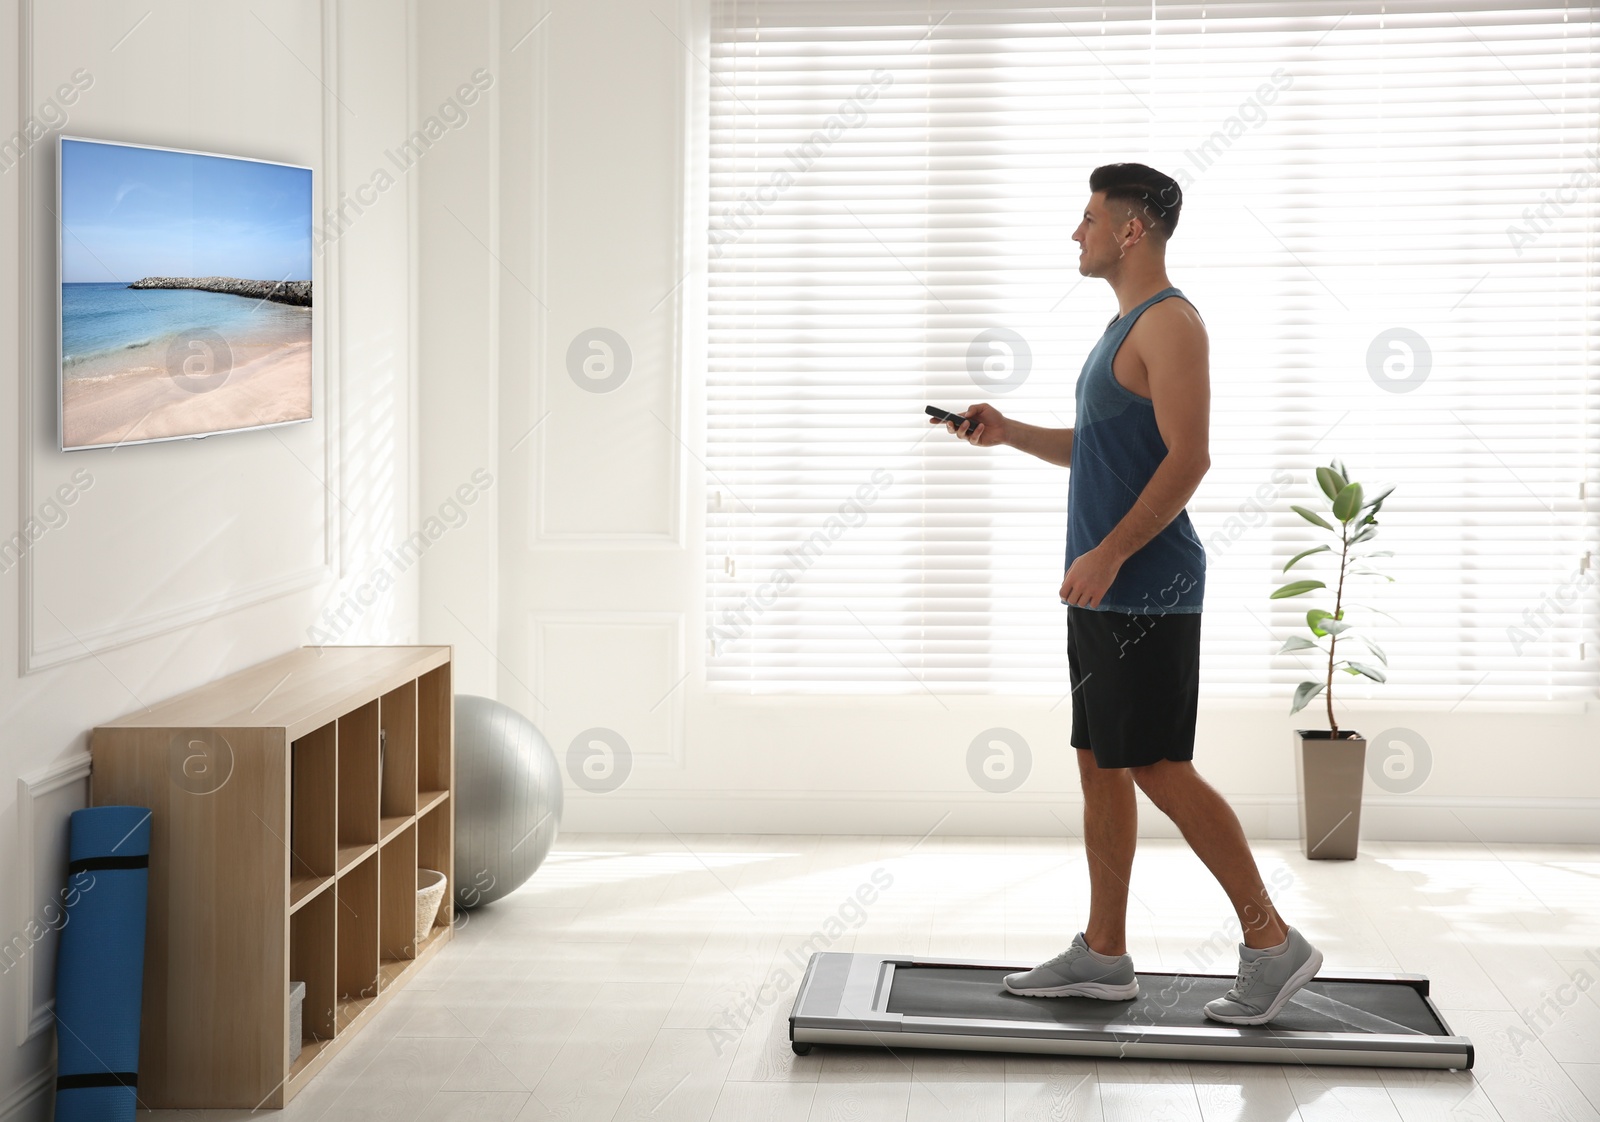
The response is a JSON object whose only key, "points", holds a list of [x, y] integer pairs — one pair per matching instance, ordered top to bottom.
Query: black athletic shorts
{"points": [[1135, 684]]}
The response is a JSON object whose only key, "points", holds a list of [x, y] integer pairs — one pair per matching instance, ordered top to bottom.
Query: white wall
{"points": [[589, 181], [185, 561]]}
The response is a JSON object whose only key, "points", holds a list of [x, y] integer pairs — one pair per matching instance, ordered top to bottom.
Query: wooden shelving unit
{"points": [[292, 803]]}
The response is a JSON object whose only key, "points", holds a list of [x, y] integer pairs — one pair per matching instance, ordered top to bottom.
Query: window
{"points": [[1389, 227]]}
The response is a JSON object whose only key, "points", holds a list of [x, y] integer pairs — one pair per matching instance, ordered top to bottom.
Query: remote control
{"points": [[953, 418]]}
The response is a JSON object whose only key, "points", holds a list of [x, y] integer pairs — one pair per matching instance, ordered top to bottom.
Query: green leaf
{"points": [[1329, 482], [1378, 502], [1348, 504], [1311, 517], [1370, 531], [1307, 553], [1295, 588], [1370, 608], [1314, 617], [1336, 626], [1297, 643], [1375, 649], [1363, 668], [1303, 693]]}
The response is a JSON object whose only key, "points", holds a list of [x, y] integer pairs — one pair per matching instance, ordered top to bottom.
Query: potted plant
{"points": [[1330, 763]]}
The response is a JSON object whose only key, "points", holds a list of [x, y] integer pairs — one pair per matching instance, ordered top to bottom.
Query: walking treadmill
{"points": [[1361, 1018]]}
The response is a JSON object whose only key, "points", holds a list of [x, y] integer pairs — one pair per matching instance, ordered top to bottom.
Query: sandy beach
{"points": [[270, 382]]}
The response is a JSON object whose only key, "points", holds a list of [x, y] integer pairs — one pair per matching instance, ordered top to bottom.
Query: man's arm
{"points": [[1176, 354], [1053, 446]]}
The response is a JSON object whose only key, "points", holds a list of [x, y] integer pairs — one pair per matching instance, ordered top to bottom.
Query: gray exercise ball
{"points": [[508, 800]]}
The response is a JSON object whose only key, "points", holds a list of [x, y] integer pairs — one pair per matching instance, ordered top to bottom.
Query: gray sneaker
{"points": [[1075, 972], [1266, 982]]}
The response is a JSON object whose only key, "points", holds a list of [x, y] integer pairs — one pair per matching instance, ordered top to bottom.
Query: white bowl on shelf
{"points": [[430, 890]]}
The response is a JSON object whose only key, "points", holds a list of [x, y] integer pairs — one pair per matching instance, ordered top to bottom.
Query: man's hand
{"points": [[985, 427], [1090, 576]]}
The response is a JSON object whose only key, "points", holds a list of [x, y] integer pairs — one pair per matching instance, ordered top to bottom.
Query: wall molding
{"points": [[334, 553], [670, 622], [87, 644], [32, 655], [1462, 819], [35, 1013], [24, 1101]]}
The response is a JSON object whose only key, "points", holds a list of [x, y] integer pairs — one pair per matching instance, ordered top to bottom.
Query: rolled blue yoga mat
{"points": [[100, 965]]}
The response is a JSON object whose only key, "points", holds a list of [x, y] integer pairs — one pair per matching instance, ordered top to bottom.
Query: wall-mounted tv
{"points": [[185, 303]]}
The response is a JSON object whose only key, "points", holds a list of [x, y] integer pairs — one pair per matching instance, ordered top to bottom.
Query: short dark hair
{"points": [[1144, 188]]}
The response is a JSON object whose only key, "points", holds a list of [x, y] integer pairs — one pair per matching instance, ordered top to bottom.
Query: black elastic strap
{"points": [[137, 861], [97, 1079]]}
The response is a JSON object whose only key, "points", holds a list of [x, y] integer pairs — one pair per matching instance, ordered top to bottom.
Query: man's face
{"points": [[1100, 236]]}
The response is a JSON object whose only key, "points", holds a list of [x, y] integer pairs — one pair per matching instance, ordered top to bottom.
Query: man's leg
{"points": [[1212, 830], [1110, 831], [1275, 961], [1103, 970]]}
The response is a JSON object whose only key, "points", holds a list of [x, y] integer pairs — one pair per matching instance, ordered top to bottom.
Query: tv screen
{"points": [[185, 293]]}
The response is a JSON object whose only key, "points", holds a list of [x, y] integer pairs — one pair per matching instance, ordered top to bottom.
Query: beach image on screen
{"points": [[185, 294]]}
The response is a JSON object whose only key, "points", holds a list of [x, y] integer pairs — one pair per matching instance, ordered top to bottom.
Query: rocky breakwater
{"points": [[297, 293]]}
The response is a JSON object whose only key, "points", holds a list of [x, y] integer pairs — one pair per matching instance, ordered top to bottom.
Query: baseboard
{"points": [[1265, 817], [38, 818], [31, 1101]]}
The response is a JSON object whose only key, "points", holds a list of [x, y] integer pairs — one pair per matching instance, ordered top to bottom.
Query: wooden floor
{"points": [[649, 977]]}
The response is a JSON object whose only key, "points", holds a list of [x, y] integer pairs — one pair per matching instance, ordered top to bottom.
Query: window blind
{"points": [[1389, 228]]}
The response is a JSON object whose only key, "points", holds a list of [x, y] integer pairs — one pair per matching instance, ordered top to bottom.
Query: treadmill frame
{"points": [[861, 1017]]}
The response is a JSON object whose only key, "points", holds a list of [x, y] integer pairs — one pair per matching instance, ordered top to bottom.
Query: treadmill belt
{"points": [[976, 993]]}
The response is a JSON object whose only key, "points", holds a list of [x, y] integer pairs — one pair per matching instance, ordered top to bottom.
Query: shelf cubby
{"points": [[397, 719], [435, 732], [358, 785], [313, 833], [435, 850], [397, 892], [240, 907], [358, 939], [312, 951]]}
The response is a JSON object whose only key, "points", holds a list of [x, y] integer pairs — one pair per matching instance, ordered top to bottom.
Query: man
{"points": [[1134, 584]]}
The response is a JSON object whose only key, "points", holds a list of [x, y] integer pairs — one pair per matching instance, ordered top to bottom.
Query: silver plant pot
{"points": [[1328, 776]]}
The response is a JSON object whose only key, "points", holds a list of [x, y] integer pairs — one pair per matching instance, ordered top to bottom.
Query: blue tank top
{"points": [[1116, 448]]}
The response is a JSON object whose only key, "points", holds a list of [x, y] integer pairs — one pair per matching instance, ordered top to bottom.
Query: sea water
{"points": [[99, 319]]}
